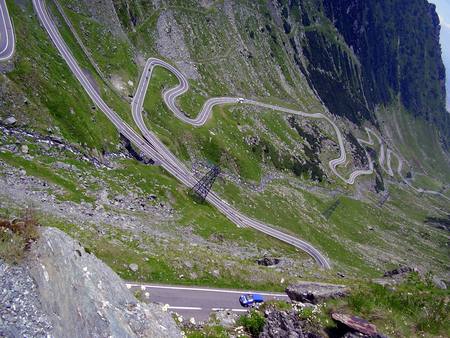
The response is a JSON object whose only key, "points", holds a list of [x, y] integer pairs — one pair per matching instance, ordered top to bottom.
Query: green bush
{"points": [[253, 322]]}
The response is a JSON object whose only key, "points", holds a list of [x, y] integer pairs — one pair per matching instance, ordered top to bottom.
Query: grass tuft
{"points": [[17, 235]]}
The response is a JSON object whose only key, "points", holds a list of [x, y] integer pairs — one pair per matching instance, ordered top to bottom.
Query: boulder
{"points": [[9, 121], [24, 149], [268, 261], [133, 267], [439, 283], [315, 293], [226, 318], [355, 324]]}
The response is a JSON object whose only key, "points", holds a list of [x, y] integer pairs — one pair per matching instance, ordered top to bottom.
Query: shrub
{"points": [[17, 235], [253, 322]]}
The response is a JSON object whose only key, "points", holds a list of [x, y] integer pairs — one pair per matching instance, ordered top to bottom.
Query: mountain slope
{"points": [[275, 167]]}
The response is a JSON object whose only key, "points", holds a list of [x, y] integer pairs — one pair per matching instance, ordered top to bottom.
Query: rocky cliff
{"points": [[397, 43], [360, 54], [63, 291]]}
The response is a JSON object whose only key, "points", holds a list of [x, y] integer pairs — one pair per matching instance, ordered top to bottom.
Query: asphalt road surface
{"points": [[7, 40], [197, 302]]}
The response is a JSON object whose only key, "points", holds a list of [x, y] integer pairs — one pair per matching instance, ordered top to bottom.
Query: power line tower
{"points": [[203, 185]]}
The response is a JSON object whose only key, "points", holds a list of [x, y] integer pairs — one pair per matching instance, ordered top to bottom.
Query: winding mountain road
{"points": [[7, 40], [172, 94], [150, 145]]}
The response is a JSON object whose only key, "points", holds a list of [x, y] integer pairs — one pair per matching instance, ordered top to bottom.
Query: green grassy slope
{"points": [[359, 237]]}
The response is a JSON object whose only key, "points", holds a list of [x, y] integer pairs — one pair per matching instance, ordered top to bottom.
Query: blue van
{"points": [[250, 299]]}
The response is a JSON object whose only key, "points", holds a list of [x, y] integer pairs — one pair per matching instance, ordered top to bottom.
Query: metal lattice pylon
{"points": [[203, 186]]}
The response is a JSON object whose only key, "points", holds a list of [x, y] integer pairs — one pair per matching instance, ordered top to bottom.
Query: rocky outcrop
{"points": [[102, 12], [170, 44], [397, 46], [360, 54], [439, 222], [268, 261], [398, 271], [315, 292], [79, 296], [226, 318], [280, 324], [356, 327]]}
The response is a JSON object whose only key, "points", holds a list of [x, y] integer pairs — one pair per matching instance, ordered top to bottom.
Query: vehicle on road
{"points": [[240, 100], [251, 299]]}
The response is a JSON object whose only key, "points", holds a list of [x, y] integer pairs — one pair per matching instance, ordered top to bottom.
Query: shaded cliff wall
{"points": [[358, 54]]}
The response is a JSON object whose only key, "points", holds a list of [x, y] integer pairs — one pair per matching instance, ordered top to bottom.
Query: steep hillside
{"points": [[397, 43], [354, 55], [276, 168]]}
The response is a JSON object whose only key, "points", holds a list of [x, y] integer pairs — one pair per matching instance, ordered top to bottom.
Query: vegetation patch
{"points": [[17, 235], [412, 308], [253, 322]]}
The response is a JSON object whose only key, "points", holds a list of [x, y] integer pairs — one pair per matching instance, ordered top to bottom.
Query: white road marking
{"points": [[206, 290], [193, 308], [223, 309]]}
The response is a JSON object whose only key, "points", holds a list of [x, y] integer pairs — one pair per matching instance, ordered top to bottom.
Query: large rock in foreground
{"points": [[315, 293], [83, 297]]}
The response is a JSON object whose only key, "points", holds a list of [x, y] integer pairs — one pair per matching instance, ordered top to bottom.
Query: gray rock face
{"points": [[171, 44], [439, 283], [315, 292], [84, 298], [227, 318], [280, 324]]}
